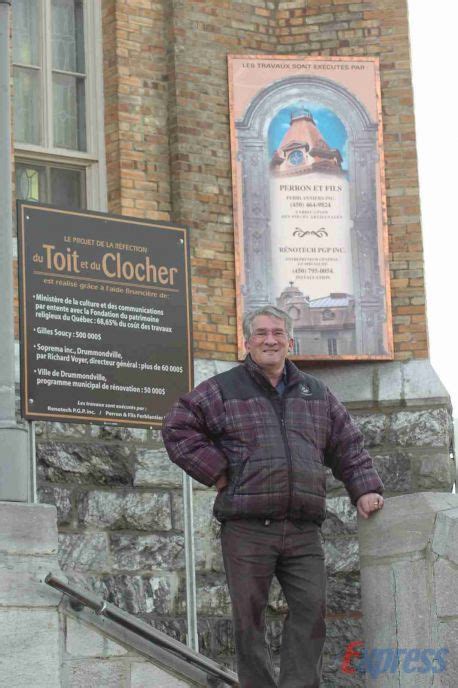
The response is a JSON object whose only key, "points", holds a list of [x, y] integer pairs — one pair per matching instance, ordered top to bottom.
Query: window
{"points": [[58, 126], [59, 185], [328, 314], [296, 347], [332, 347]]}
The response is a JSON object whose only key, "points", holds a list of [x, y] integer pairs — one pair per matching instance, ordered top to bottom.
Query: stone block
{"points": [[205, 368], [390, 383], [422, 384], [350, 385], [40, 428], [373, 428], [420, 428], [61, 430], [120, 433], [15, 463], [101, 464], [152, 468], [395, 471], [434, 472], [60, 497], [177, 510], [119, 511], [340, 517], [404, 525], [28, 529], [206, 532], [445, 541], [83, 552], [146, 552], [342, 555], [22, 581], [446, 586], [378, 591], [343, 593], [139, 594], [212, 596], [277, 600], [413, 601], [175, 627], [339, 633], [216, 637], [447, 637], [82, 641], [30, 649], [93, 673], [144, 675]]}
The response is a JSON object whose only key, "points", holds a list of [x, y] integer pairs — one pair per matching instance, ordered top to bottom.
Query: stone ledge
{"points": [[390, 383], [405, 524], [28, 529], [22, 581]]}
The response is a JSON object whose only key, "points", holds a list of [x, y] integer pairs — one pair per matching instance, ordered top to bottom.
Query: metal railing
{"points": [[80, 599]]}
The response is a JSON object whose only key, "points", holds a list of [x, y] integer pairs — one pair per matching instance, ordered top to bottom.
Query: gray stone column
{"points": [[16, 471], [409, 584], [29, 621]]}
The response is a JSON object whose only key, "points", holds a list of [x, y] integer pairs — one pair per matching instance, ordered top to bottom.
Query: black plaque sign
{"points": [[105, 316]]}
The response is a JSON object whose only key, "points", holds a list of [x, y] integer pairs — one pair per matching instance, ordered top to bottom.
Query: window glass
{"points": [[26, 33], [67, 36], [27, 105], [68, 112], [30, 182], [58, 185], [66, 188]]}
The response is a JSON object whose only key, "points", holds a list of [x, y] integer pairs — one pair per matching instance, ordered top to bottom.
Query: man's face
{"points": [[268, 344]]}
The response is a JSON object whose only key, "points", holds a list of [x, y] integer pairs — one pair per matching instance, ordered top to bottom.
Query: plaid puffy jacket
{"points": [[273, 447]]}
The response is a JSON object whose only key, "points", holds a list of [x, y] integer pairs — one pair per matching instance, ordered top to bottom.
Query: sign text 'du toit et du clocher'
{"points": [[309, 200], [105, 316]]}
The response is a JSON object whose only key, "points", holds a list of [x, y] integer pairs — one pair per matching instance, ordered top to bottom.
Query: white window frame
{"points": [[92, 161]]}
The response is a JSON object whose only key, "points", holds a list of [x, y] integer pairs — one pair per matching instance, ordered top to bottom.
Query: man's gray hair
{"points": [[266, 310]]}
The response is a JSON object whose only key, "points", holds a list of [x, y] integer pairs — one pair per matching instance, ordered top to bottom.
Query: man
{"points": [[262, 434]]}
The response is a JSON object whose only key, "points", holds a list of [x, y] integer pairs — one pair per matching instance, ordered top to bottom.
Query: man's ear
{"points": [[291, 345]]}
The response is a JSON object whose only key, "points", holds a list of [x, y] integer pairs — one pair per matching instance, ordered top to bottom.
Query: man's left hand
{"points": [[368, 503]]}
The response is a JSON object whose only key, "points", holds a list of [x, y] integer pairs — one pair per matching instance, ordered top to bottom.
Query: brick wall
{"points": [[136, 99], [167, 132]]}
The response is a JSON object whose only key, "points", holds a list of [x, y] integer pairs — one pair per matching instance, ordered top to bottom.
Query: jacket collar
{"points": [[293, 374]]}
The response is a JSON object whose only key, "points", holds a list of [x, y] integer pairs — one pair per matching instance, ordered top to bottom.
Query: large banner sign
{"points": [[309, 202], [105, 316]]}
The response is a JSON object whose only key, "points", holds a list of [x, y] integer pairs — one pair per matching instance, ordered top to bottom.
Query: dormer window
{"points": [[328, 314]]}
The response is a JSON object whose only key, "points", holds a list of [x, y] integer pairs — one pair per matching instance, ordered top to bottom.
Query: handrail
{"points": [[144, 630]]}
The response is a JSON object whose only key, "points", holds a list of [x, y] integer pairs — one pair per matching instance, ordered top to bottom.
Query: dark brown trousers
{"points": [[254, 551]]}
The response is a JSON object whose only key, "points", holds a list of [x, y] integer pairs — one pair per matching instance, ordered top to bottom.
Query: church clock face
{"points": [[296, 157]]}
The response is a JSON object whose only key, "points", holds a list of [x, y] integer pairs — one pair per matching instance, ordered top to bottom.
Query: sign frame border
{"points": [[238, 192], [27, 414]]}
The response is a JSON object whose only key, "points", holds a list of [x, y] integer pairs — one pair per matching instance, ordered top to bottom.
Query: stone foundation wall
{"points": [[121, 517], [409, 576]]}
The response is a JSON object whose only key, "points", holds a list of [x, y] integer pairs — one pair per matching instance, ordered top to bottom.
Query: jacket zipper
{"points": [[281, 416]]}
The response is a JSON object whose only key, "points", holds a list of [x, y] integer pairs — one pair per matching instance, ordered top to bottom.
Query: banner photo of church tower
{"points": [[309, 201]]}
